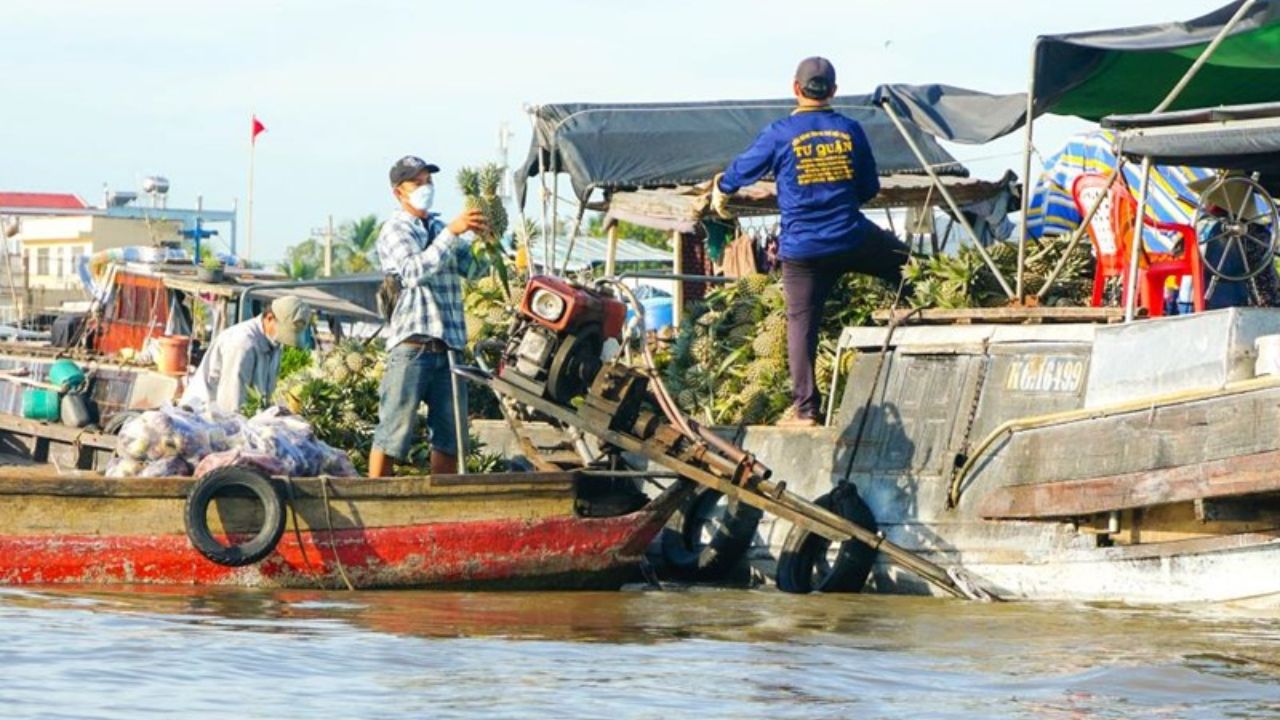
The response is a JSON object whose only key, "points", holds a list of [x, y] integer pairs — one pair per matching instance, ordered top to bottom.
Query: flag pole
{"points": [[253, 145]]}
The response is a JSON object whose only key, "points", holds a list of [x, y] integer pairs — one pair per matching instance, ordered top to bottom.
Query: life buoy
{"points": [[217, 483], [708, 536], [806, 565]]}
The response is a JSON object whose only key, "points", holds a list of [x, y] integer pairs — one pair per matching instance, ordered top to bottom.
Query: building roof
{"points": [[41, 201], [589, 251]]}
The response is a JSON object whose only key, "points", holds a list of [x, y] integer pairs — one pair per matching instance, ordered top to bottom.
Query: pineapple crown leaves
{"points": [[490, 178], [469, 181]]}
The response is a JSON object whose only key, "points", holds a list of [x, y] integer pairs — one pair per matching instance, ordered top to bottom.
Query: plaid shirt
{"points": [[431, 262]]}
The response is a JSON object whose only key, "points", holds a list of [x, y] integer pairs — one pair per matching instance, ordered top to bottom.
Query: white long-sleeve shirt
{"points": [[239, 358]]}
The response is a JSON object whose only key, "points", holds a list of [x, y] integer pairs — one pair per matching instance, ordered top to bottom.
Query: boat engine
{"points": [[561, 337]]}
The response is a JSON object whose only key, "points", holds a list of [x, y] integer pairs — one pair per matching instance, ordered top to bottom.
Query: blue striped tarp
{"points": [[1053, 212]]}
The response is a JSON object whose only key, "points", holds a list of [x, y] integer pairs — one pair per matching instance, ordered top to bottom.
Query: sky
{"points": [[110, 92]]}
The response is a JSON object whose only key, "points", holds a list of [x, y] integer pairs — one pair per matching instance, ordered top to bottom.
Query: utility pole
{"points": [[328, 249]]}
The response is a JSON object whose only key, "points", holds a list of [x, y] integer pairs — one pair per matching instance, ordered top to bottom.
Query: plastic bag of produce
{"points": [[226, 430], [187, 434], [135, 439], [291, 440], [336, 463], [267, 464], [122, 467], [169, 467]]}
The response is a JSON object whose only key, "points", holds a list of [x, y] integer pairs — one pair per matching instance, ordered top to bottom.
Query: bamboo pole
{"points": [[1081, 229], [573, 234]]}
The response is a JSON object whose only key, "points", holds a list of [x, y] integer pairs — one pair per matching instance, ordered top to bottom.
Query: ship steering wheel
{"points": [[1236, 219]]}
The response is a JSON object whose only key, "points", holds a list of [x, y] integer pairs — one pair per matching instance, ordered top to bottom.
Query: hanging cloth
{"points": [[718, 234], [740, 257]]}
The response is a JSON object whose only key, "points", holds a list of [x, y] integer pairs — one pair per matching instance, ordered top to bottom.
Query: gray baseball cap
{"points": [[817, 77], [409, 167], [293, 319]]}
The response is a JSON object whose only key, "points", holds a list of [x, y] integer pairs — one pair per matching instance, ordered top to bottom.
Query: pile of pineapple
{"points": [[480, 191], [963, 280], [728, 365], [338, 394]]}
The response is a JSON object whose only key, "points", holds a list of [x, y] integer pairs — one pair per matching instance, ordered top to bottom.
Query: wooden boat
{"points": [[1072, 461], [1121, 463], [544, 530]]}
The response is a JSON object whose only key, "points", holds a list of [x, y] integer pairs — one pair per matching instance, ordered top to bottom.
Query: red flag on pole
{"points": [[258, 127]]}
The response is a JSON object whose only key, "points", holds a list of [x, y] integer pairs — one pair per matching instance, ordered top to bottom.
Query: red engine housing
{"points": [[583, 306]]}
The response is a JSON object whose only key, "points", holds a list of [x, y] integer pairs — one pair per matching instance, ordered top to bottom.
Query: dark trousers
{"points": [[808, 283]]}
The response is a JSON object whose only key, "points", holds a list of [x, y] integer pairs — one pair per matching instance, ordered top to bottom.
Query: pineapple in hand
{"points": [[480, 192]]}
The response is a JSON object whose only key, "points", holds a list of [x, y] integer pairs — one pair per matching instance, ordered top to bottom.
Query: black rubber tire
{"points": [[214, 484], [804, 554], [686, 558]]}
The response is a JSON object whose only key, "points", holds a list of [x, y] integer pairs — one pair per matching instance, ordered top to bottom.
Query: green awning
{"points": [[1131, 70]]}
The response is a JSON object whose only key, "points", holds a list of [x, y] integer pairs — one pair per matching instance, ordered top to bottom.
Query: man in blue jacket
{"points": [[825, 171]]}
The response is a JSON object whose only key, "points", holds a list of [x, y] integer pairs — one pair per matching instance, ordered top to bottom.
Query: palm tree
{"points": [[358, 241], [303, 261], [299, 268]]}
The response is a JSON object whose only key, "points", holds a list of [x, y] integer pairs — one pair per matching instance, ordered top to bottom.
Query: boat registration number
{"points": [[1045, 373]]}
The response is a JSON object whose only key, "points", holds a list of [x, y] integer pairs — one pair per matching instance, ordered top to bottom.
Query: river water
{"points": [[704, 654]]}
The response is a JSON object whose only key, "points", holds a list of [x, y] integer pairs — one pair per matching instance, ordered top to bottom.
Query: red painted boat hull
{"points": [[553, 553]]}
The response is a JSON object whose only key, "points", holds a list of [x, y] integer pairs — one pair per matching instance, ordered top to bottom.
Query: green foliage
{"points": [[211, 261], [299, 268], [488, 315], [292, 360]]}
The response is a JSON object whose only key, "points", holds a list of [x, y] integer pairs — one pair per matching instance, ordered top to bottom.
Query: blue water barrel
{"points": [[657, 313]]}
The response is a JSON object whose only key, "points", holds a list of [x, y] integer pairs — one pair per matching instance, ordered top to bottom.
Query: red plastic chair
{"points": [[1112, 232]]}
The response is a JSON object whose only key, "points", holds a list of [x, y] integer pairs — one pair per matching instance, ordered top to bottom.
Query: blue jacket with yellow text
{"points": [[825, 171]]}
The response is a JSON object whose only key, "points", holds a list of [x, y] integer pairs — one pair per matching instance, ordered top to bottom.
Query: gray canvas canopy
{"points": [[1245, 137], [653, 145]]}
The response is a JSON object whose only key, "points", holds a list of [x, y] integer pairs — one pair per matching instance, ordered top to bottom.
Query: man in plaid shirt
{"points": [[430, 260]]}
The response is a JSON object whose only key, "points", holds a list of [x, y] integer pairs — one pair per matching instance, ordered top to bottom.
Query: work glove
{"points": [[719, 200]]}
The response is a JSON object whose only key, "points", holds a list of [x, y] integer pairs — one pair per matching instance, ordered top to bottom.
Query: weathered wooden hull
{"points": [[1144, 466], [518, 531]]}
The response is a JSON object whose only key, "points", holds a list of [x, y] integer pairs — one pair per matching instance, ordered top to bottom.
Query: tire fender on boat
{"points": [[217, 483], [682, 549], [804, 565]]}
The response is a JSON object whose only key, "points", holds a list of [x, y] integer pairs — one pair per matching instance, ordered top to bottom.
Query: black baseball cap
{"points": [[817, 77], [409, 167]]}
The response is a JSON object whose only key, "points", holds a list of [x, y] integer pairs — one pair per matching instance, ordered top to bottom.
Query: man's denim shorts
{"points": [[414, 376]]}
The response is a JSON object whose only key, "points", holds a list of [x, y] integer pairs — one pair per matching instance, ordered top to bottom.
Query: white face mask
{"points": [[422, 196]]}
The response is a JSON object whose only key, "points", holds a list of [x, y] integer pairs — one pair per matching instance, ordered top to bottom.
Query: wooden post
{"points": [[611, 254], [677, 295]]}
